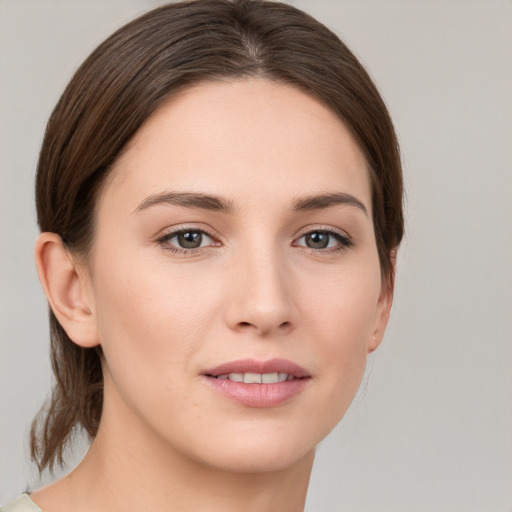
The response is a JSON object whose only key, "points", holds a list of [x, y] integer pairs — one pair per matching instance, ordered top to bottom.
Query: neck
{"points": [[127, 469], [127, 480]]}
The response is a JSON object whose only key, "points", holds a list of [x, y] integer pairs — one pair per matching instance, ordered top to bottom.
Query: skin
{"points": [[253, 289]]}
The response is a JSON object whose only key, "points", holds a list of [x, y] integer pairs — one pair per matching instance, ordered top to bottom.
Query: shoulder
{"points": [[21, 504]]}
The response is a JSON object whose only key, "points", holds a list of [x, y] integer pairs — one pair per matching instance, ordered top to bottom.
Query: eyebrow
{"points": [[189, 200], [321, 201], [216, 203]]}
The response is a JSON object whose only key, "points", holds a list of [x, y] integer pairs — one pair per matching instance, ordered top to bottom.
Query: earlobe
{"points": [[66, 289], [384, 305], [383, 311], [374, 343]]}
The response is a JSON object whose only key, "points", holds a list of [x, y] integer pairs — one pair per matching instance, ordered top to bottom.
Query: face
{"points": [[234, 278]]}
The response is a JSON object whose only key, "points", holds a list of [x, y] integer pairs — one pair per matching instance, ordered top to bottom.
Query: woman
{"points": [[219, 198]]}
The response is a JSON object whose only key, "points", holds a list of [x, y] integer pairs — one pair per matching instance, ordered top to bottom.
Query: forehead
{"points": [[225, 138]]}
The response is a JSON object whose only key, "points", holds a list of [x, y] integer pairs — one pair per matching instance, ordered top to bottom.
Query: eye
{"points": [[324, 239], [186, 240]]}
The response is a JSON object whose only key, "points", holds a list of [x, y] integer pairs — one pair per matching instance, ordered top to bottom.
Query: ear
{"points": [[67, 287], [384, 305]]}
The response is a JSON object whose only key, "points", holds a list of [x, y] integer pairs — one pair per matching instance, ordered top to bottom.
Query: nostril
{"points": [[245, 325]]}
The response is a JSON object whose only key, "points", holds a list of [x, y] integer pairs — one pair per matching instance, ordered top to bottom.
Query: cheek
{"points": [[344, 307], [150, 322], [342, 322]]}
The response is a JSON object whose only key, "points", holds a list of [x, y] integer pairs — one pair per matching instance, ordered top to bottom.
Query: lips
{"points": [[261, 367], [258, 383]]}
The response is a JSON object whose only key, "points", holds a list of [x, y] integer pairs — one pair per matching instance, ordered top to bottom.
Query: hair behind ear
{"points": [[77, 394], [76, 398]]}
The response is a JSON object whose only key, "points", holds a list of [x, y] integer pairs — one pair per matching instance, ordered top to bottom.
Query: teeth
{"points": [[252, 378], [256, 378], [270, 378]]}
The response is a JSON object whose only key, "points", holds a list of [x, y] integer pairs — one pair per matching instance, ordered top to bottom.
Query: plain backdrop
{"points": [[431, 429]]}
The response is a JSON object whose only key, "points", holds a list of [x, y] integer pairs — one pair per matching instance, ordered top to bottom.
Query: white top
{"points": [[21, 504]]}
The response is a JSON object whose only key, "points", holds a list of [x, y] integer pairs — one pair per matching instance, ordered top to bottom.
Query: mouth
{"points": [[251, 371], [256, 378], [258, 383]]}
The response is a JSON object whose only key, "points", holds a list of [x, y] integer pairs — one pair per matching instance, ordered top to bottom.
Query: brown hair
{"points": [[124, 81]]}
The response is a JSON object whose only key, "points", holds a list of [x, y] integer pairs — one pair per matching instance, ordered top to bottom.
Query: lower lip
{"points": [[259, 395]]}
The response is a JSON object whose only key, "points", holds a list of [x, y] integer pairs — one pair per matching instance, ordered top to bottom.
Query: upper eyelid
{"points": [[326, 229], [176, 230], [172, 234]]}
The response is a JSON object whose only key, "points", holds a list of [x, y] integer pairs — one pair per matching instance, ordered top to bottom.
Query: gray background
{"points": [[431, 429]]}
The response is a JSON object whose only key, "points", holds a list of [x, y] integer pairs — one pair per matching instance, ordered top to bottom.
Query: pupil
{"points": [[190, 239], [317, 240]]}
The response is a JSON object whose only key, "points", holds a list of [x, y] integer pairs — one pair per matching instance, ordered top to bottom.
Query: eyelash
{"points": [[165, 239], [344, 242]]}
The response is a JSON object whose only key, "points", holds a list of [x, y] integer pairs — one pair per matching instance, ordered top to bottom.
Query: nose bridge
{"points": [[261, 298]]}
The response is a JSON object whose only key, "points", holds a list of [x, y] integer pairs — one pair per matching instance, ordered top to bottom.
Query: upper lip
{"points": [[254, 366]]}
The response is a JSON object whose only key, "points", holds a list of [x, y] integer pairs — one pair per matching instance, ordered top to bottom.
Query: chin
{"points": [[259, 453], [260, 461]]}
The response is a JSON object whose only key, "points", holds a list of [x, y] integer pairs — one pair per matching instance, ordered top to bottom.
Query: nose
{"points": [[261, 298]]}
